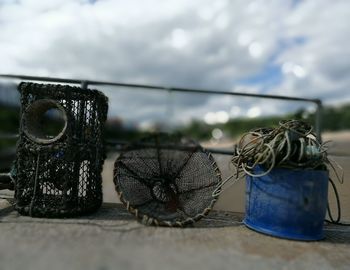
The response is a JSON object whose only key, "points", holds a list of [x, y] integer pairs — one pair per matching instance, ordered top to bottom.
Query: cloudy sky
{"points": [[295, 48]]}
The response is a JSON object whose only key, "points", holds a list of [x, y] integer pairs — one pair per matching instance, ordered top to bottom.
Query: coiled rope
{"points": [[291, 145]]}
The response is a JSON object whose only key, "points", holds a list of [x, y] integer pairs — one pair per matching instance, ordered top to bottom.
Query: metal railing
{"points": [[85, 83]]}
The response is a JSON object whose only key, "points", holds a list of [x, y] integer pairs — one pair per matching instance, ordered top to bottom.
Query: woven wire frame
{"points": [[60, 176], [167, 182]]}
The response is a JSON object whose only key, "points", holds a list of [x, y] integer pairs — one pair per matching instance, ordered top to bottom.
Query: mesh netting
{"points": [[59, 170], [165, 181]]}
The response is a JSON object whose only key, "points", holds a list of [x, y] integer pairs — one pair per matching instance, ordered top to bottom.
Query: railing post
{"points": [[84, 84], [170, 110], [318, 120]]}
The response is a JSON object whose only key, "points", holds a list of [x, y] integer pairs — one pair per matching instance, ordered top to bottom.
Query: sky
{"points": [[295, 48]]}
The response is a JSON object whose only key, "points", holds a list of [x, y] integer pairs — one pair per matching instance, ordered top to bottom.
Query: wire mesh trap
{"points": [[60, 151], [164, 180]]}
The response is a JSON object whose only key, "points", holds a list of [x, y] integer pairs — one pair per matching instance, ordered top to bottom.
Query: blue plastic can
{"points": [[287, 203]]}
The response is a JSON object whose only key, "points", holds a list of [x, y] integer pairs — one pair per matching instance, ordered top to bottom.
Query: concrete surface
{"points": [[112, 239]]}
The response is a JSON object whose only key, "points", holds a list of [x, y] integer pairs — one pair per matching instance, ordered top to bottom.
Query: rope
{"points": [[292, 145], [219, 188], [332, 220]]}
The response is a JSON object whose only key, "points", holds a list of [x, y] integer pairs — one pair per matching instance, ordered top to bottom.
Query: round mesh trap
{"points": [[164, 180]]}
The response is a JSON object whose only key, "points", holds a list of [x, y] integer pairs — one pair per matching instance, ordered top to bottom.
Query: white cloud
{"points": [[72, 38], [179, 38], [199, 43], [255, 49], [322, 63], [254, 112]]}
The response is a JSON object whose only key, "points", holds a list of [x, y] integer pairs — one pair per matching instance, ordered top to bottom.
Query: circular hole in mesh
{"points": [[45, 121], [166, 182]]}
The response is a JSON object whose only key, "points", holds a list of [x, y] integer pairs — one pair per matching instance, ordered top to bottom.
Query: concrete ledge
{"points": [[113, 239]]}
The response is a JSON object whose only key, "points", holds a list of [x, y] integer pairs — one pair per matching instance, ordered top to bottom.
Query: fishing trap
{"points": [[60, 151], [166, 180]]}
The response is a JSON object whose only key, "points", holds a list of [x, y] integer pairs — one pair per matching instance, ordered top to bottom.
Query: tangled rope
{"points": [[291, 145]]}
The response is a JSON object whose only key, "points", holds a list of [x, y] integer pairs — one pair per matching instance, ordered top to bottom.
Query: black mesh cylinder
{"points": [[60, 152]]}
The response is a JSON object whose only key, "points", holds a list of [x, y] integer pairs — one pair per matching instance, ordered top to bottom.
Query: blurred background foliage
{"points": [[333, 119]]}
